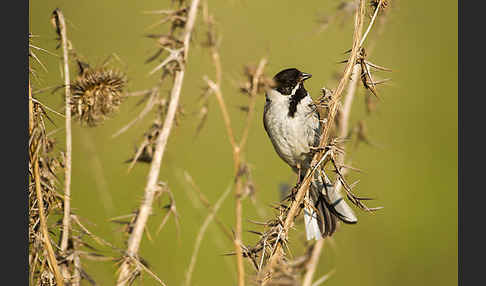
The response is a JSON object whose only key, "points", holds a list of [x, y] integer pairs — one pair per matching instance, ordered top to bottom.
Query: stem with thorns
{"points": [[380, 3], [348, 102], [333, 108], [343, 129], [236, 148], [67, 170], [151, 187], [238, 194], [40, 200], [76, 268]]}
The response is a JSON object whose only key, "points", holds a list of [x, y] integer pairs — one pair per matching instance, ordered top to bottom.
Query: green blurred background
{"points": [[412, 172]]}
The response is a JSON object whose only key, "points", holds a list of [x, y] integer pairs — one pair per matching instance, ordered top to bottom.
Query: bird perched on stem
{"points": [[292, 123]]}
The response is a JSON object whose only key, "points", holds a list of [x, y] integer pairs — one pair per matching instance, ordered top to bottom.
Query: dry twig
{"points": [[237, 147], [150, 188], [40, 200], [66, 224]]}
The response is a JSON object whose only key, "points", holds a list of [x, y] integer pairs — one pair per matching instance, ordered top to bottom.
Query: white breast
{"points": [[291, 136]]}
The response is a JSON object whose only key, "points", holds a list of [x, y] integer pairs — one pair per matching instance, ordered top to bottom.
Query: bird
{"points": [[292, 122]]}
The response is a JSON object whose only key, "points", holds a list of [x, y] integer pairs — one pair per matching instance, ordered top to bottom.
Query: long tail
{"points": [[325, 205]]}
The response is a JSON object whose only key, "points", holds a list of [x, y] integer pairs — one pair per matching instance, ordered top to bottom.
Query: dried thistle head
{"points": [[96, 93]]}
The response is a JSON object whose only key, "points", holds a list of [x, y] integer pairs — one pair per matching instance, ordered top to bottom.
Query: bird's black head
{"points": [[287, 80]]}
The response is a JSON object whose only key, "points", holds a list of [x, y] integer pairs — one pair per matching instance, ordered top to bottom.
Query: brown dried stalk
{"points": [[61, 26], [333, 108], [344, 115], [236, 148], [151, 187], [238, 192], [51, 256]]}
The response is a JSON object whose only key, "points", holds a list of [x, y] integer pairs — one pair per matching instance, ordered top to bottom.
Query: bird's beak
{"points": [[306, 76]]}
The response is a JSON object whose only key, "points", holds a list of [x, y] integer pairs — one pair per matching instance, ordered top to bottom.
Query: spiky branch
{"points": [[51, 256]]}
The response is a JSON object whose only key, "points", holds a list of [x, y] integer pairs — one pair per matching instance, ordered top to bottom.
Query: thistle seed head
{"points": [[96, 93]]}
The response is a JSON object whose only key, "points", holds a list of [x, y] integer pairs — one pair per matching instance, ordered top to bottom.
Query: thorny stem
{"points": [[380, 3], [253, 96], [348, 102], [334, 104], [333, 108], [224, 111], [343, 129], [236, 148], [67, 170], [151, 187], [238, 194], [40, 201], [238, 230], [77, 267]]}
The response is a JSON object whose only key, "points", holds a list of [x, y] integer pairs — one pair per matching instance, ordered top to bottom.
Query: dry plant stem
{"points": [[380, 3], [253, 96], [348, 102], [334, 104], [333, 107], [145, 111], [226, 118], [343, 129], [236, 148], [67, 170], [151, 187], [238, 194], [238, 207], [43, 224], [238, 231], [201, 233], [312, 265], [77, 266]]}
